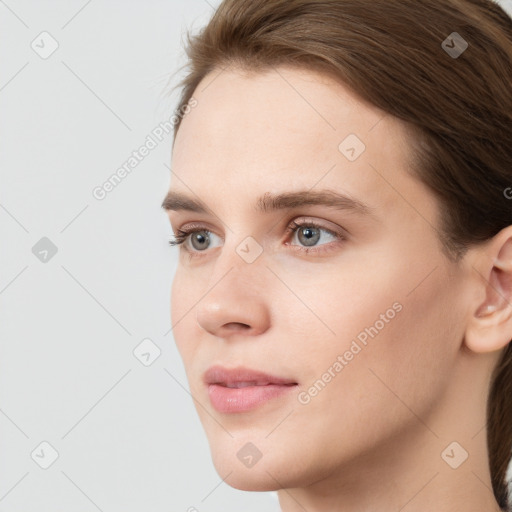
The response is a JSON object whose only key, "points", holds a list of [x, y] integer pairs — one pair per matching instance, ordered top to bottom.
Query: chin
{"points": [[245, 467], [270, 473], [253, 479]]}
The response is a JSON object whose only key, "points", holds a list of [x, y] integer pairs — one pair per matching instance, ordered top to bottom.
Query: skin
{"points": [[372, 438]]}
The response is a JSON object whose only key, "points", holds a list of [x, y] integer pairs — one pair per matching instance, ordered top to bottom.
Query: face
{"points": [[344, 292]]}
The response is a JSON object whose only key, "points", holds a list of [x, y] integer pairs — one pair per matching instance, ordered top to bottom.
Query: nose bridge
{"points": [[243, 256], [234, 293]]}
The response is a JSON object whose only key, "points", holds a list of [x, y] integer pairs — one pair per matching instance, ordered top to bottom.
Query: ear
{"points": [[490, 326]]}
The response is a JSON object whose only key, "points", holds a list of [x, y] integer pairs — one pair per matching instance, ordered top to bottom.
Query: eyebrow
{"points": [[268, 202]]}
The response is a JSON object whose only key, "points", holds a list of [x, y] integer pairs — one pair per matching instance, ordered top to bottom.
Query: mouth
{"points": [[241, 377], [237, 385], [241, 389]]}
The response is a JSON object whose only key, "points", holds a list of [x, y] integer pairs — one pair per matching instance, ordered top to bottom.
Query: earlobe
{"points": [[490, 326]]}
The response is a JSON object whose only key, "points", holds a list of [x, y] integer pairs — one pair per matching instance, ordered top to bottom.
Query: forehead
{"points": [[287, 128]]}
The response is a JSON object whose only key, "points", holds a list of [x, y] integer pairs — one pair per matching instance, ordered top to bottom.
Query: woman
{"points": [[342, 197]]}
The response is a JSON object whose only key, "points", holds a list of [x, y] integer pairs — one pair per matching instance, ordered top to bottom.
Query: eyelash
{"points": [[183, 234]]}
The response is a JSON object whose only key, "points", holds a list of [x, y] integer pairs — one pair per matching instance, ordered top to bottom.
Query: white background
{"points": [[127, 435]]}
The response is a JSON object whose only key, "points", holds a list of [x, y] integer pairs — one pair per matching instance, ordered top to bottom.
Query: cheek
{"points": [[379, 342], [391, 354]]}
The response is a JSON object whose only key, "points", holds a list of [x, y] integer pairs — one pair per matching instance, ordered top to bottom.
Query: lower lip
{"points": [[226, 399]]}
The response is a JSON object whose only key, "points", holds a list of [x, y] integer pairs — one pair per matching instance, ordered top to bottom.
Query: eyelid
{"points": [[334, 229], [184, 233]]}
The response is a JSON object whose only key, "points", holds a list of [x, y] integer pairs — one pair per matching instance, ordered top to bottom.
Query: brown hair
{"points": [[458, 109]]}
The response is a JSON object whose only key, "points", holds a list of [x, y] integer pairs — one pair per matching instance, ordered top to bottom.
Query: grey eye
{"points": [[308, 236], [200, 240]]}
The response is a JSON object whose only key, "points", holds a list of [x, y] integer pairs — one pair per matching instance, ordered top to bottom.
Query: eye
{"points": [[310, 233], [196, 239]]}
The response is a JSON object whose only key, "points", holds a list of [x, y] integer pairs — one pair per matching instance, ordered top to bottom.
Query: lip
{"points": [[219, 375], [242, 389]]}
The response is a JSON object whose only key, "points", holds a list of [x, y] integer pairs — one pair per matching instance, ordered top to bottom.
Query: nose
{"points": [[235, 303]]}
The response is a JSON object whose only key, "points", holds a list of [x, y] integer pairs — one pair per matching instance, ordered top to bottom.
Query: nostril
{"points": [[237, 325]]}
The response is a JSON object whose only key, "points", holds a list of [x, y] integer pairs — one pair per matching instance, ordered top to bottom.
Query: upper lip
{"points": [[229, 377]]}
